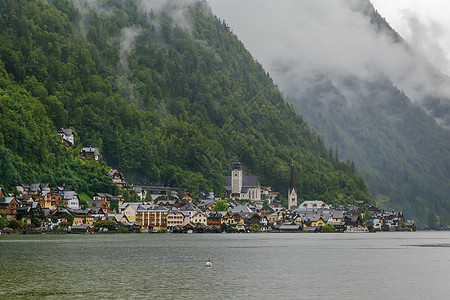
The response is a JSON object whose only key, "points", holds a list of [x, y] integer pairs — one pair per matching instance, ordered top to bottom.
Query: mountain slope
{"points": [[168, 94]]}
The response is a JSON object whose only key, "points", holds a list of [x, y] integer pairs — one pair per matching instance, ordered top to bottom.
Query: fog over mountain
{"points": [[299, 39], [366, 91]]}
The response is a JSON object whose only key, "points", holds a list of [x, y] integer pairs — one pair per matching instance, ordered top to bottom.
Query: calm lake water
{"points": [[412, 265]]}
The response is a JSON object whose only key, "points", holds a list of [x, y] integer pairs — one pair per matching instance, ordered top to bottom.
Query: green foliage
{"points": [[174, 110], [221, 205], [114, 206], [70, 219], [36, 222], [3, 223], [14, 224], [111, 225], [254, 227], [328, 228]]}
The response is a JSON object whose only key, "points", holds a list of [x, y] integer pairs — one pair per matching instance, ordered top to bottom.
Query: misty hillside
{"points": [[164, 89], [363, 89], [401, 152]]}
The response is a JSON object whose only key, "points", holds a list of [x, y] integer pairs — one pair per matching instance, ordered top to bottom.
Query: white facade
{"points": [[236, 181], [292, 199], [74, 202], [199, 217]]}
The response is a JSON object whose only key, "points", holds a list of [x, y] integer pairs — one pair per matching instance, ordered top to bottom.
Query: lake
{"points": [[406, 265]]}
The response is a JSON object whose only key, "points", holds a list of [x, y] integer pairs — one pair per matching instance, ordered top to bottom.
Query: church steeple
{"points": [[236, 178], [292, 183], [292, 194]]}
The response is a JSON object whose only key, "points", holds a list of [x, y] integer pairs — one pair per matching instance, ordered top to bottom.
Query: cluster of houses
{"points": [[59, 208], [178, 212], [175, 214]]}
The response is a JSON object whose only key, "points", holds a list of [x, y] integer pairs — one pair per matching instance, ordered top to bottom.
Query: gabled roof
{"points": [[65, 131], [34, 187], [6, 199], [95, 203], [133, 205], [189, 207], [240, 208], [198, 212], [337, 214]]}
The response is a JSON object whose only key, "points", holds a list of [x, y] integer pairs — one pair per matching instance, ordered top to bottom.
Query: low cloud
{"points": [[128, 37], [301, 39]]}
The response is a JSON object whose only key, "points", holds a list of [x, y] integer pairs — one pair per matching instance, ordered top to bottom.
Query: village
{"points": [[248, 207]]}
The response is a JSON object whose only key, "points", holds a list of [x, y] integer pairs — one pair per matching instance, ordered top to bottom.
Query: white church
{"points": [[243, 187]]}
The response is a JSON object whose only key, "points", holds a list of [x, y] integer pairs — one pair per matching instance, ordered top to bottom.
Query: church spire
{"points": [[292, 182], [292, 194]]}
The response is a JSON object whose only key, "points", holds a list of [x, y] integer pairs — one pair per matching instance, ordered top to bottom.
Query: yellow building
{"points": [[129, 210], [83, 217], [152, 217]]}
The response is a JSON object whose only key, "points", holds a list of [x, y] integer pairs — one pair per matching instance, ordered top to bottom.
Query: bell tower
{"points": [[236, 178], [292, 193]]}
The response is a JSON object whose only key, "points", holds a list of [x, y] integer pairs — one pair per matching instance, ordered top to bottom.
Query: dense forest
{"points": [[168, 94], [401, 152]]}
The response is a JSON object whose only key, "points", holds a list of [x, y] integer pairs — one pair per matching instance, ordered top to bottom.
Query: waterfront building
{"points": [[129, 210], [152, 217], [199, 218]]}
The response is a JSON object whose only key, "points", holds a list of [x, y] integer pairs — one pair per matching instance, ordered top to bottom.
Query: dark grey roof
{"points": [[66, 131], [90, 150], [247, 182], [34, 187], [67, 195], [104, 195], [95, 203], [189, 206], [240, 208], [338, 214]]}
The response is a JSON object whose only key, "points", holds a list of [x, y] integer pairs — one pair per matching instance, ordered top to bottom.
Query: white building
{"points": [[67, 135], [73, 202], [313, 206]]}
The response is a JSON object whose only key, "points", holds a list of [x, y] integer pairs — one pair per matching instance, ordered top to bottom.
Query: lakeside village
{"points": [[248, 207]]}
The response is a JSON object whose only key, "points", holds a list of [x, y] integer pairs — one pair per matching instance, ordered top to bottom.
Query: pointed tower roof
{"points": [[236, 165], [292, 181]]}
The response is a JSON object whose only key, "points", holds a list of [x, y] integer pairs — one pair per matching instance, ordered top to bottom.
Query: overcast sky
{"points": [[417, 20], [424, 24]]}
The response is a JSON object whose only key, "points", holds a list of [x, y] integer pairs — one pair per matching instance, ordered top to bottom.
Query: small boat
{"points": [[208, 264]]}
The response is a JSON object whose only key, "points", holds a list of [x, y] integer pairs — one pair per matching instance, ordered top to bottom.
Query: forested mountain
{"points": [[166, 92]]}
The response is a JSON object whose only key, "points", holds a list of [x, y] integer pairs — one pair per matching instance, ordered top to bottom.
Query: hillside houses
{"points": [[67, 135], [90, 152]]}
